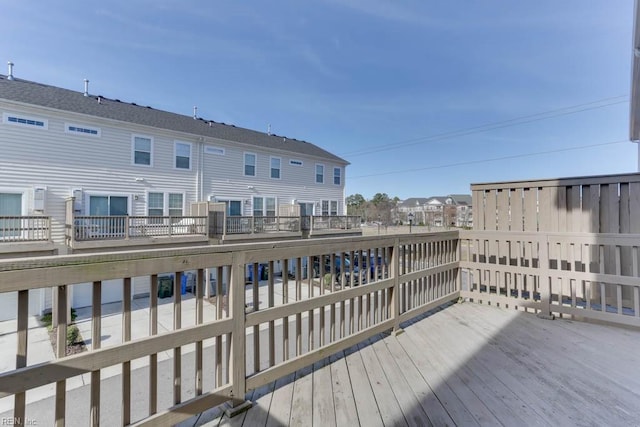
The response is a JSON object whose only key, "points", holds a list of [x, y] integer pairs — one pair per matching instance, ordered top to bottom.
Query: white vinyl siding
{"points": [[142, 150], [182, 155], [250, 164], [319, 174]]}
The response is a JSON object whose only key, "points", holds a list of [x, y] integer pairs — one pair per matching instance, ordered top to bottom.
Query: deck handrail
{"points": [[117, 227], [25, 228], [336, 292]]}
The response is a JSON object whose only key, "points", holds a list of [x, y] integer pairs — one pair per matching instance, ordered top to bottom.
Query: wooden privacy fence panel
{"points": [[598, 204], [555, 273], [276, 308]]}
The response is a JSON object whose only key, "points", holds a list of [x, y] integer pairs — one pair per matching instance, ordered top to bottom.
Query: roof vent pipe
{"points": [[10, 73], [86, 87], [195, 112]]}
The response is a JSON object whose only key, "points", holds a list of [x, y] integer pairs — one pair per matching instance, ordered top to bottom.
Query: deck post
{"points": [[395, 290], [237, 361]]}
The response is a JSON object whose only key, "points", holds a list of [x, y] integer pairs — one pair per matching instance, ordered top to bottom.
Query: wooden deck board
{"points": [[467, 364]]}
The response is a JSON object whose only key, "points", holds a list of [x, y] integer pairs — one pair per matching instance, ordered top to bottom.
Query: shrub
{"points": [[72, 334]]}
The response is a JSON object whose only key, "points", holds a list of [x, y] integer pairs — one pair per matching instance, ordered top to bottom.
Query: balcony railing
{"points": [[333, 223], [260, 224], [90, 228], [25, 229], [305, 300], [255, 337]]}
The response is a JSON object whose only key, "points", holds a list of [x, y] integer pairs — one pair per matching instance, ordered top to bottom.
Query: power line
{"points": [[574, 109], [472, 162]]}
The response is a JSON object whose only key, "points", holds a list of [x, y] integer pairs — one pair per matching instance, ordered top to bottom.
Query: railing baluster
{"points": [[199, 293], [22, 329], [96, 330], [126, 336], [272, 337], [61, 351], [177, 351], [153, 358]]}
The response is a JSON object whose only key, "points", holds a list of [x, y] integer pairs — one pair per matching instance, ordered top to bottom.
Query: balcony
{"points": [[324, 226], [248, 228], [94, 232], [24, 235], [433, 328], [267, 339]]}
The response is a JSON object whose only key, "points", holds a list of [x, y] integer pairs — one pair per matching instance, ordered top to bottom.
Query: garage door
{"points": [[111, 292], [9, 304]]}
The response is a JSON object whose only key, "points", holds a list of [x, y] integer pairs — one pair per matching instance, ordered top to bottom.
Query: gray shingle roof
{"points": [[67, 100]]}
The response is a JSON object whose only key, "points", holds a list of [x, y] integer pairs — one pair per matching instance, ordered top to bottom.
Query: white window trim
{"points": [[5, 119], [71, 132], [133, 150], [175, 154], [244, 164], [295, 164], [279, 169], [315, 173], [333, 178], [25, 195], [165, 201]]}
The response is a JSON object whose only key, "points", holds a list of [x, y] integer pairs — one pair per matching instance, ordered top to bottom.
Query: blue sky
{"points": [[418, 95]]}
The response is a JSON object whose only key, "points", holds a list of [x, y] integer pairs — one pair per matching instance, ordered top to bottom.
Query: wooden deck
{"points": [[467, 364]]}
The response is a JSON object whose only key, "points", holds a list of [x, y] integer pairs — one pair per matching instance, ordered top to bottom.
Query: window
{"points": [[15, 119], [81, 130], [142, 146], [214, 150], [182, 151], [293, 162], [249, 164], [275, 167], [319, 174], [337, 176], [157, 201], [155, 204], [175, 204], [10, 205], [108, 205], [258, 206], [264, 206], [270, 206], [325, 208], [334, 208]]}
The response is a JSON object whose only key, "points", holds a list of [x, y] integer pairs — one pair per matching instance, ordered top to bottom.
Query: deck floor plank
{"points": [[542, 349], [343, 399], [302, 402], [411, 408], [280, 409], [390, 410], [368, 411], [324, 413], [437, 414]]}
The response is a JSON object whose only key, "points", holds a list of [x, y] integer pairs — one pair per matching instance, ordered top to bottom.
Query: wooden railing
{"points": [[334, 223], [260, 224], [25, 228], [87, 228], [586, 275], [332, 294]]}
